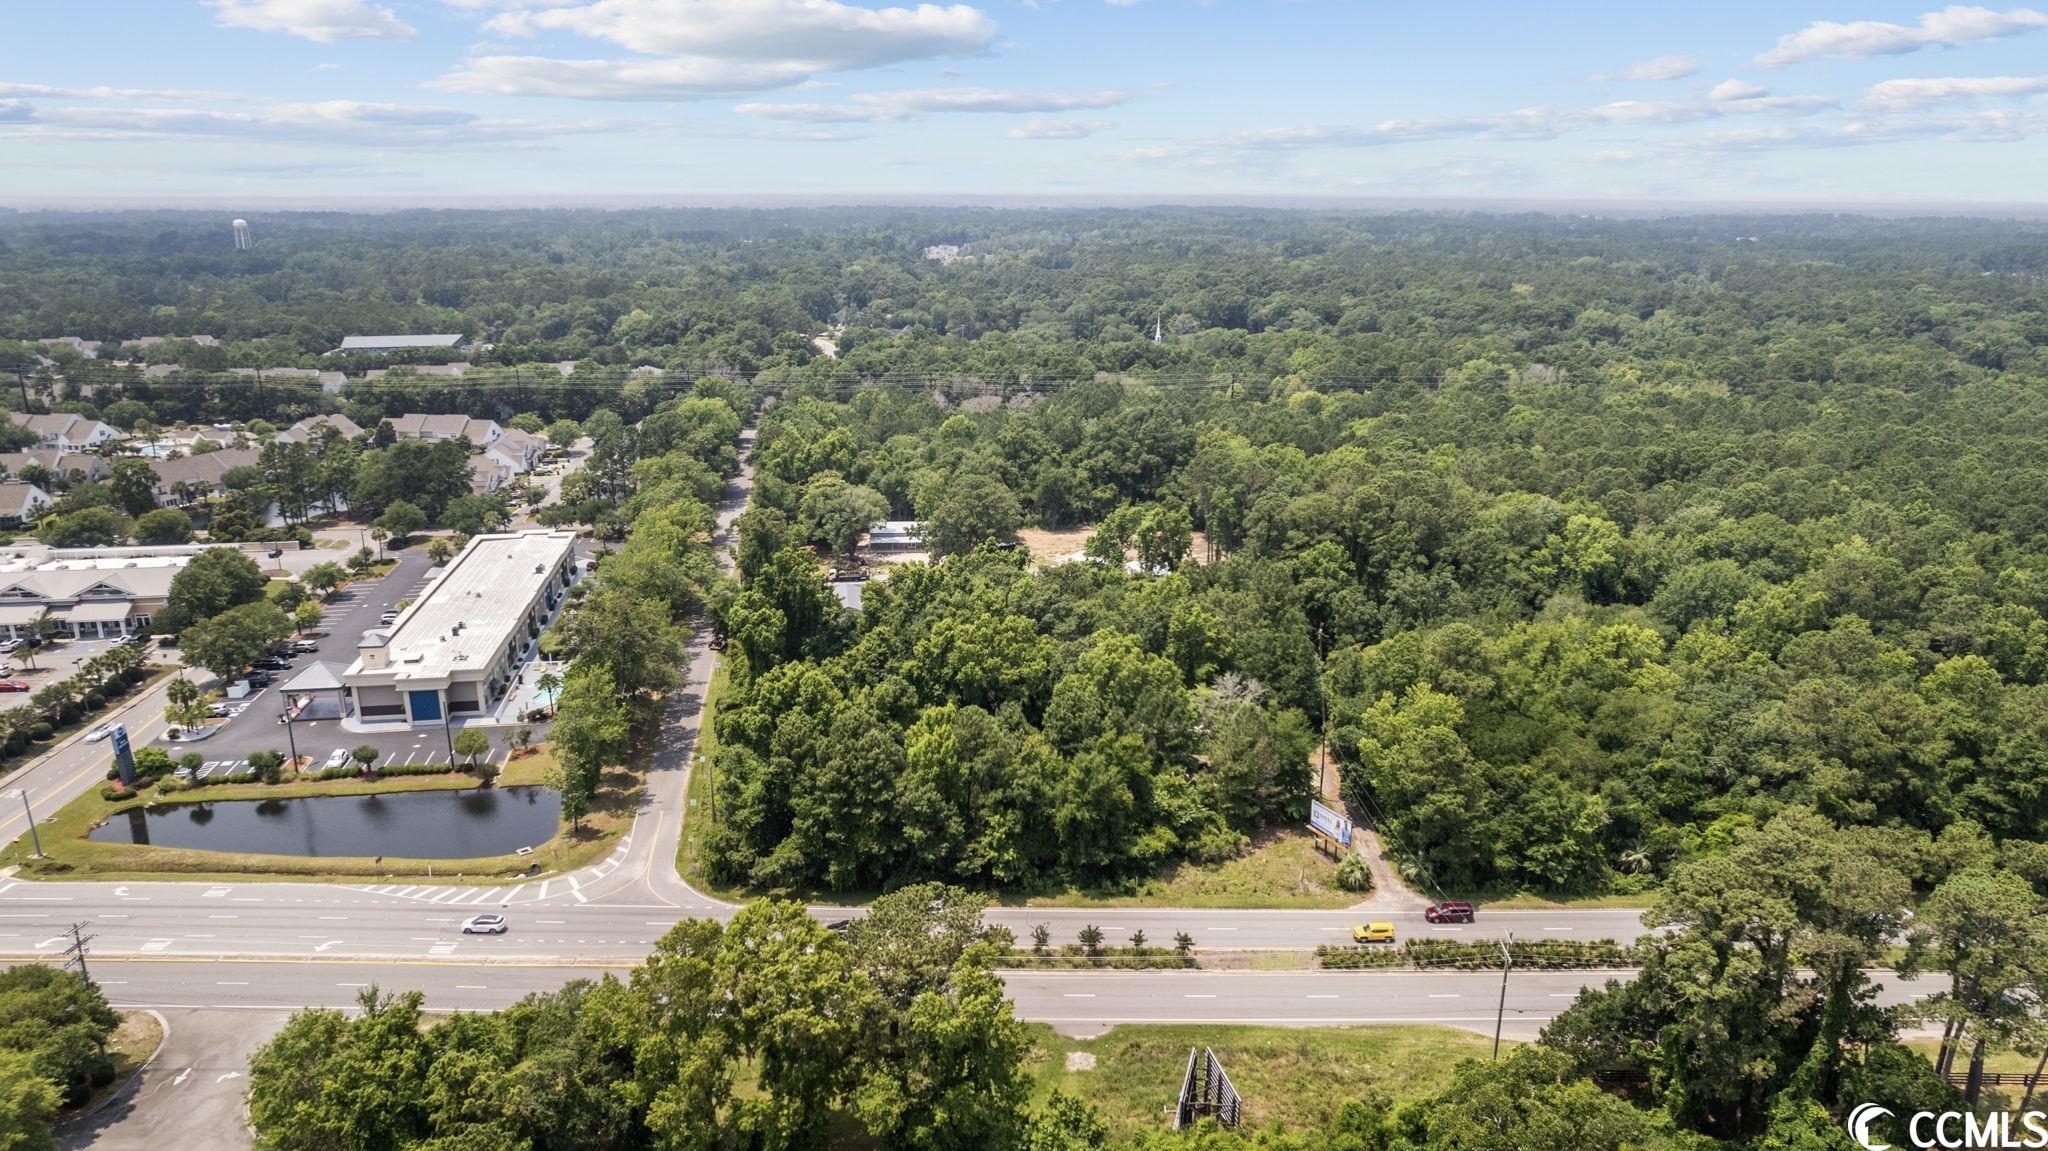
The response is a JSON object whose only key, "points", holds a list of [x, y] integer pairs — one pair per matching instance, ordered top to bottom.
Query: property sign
{"points": [[124, 757], [1325, 822]]}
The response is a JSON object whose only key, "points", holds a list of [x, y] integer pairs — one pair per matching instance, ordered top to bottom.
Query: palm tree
{"points": [[550, 685]]}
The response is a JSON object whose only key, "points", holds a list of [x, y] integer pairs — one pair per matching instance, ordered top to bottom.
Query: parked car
{"points": [[9, 646], [305, 646], [272, 663], [260, 679], [12, 685], [222, 710], [99, 733], [336, 758], [1451, 911], [490, 923], [1377, 932]]}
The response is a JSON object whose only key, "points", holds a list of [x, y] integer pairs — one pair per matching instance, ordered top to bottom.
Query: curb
{"points": [[134, 1077]]}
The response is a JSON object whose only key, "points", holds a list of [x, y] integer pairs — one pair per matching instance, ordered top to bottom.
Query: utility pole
{"points": [[21, 375], [292, 740], [34, 836], [76, 951], [1507, 962]]}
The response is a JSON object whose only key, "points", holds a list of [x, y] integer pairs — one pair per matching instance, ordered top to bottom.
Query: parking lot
{"points": [[54, 661], [256, 723]]}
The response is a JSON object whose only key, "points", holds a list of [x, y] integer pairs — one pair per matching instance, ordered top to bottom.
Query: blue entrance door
{"points": [[426, 705]]}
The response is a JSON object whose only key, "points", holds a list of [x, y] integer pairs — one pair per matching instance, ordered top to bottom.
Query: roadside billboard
{"points": [[1325, 821]]}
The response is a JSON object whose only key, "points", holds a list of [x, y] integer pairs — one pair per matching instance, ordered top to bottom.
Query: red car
{"points": [[12, 685], [1449, 913]]}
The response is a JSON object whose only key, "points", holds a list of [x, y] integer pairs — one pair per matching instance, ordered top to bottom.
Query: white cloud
{"points": [[323, 21], [1954, 25], [708, 47], [1661, 68], [678, 78], [1737, 90], [102, 92], [1911, 94], [873, 107], [1683, 111], [328, 122], [1522, 124], [1047, 128]]}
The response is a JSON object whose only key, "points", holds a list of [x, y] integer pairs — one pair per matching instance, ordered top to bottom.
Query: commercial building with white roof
{"points": [[453, 653]]}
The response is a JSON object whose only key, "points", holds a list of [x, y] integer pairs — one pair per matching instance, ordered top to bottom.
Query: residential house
{"points": [[146, 342], [90, 349], [455, 370], [424, 426], [67, 431], [304, 431], [520, 451], [73, 467], [487, 474], [190, 479], [21, 503]]}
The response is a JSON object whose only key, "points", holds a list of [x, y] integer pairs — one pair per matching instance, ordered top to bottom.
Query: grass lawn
{"points": [[697, 804], [72, 856], [1282, 870], [1523, 900], [2008, 1062], [1291, 1075]]}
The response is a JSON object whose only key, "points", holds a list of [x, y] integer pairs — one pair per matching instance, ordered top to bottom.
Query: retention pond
{"points": [[466, 824]]}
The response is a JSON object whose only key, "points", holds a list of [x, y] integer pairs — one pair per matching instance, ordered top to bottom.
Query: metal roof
{"points": [[377, 343]]}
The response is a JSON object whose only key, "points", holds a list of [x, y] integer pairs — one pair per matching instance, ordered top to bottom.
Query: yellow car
{"points": [[1373, 933]]}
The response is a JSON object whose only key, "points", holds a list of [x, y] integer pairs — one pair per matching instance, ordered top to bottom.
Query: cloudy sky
{"points": [[1854, 100]]}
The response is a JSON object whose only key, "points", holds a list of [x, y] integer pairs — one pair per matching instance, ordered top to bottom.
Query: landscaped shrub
{"points": [[41, 730], [391, 769], [1354, 874], [1482, 955]]}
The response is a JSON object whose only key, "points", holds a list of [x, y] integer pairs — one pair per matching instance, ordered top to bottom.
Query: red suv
{"points": [[1449, 913]]}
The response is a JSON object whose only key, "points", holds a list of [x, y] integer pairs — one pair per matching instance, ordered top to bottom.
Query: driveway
{"points": [[190, 1095]]}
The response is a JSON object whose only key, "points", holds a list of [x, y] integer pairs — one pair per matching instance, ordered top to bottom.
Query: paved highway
{"points": [[1078, 1000]]}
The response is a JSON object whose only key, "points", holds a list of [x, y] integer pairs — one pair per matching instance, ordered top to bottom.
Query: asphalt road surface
{"points": [[190, 1096]]}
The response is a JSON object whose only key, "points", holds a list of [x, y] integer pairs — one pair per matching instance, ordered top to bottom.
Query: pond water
{"points": [[464, 824]]}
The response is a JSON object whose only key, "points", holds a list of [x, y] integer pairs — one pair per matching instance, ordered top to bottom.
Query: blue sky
{"points": [[492, 99]]}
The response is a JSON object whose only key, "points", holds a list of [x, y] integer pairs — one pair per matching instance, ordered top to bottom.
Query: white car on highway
{"points": [[99, 733], [490, 923]]}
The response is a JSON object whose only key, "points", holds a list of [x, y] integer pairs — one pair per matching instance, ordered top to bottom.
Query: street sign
{"points": [[124, 756], [1325, 822]]}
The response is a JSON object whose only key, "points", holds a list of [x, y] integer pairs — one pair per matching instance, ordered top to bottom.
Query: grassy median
{"points": [[697, 800], [72, 856], [1294, 1076]]}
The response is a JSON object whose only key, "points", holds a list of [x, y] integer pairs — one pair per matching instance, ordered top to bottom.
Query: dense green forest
{"points": [[1590, 542], [1699, 558]]}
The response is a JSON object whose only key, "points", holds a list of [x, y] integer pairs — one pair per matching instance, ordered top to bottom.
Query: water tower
{"points": [[241, 235]]}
